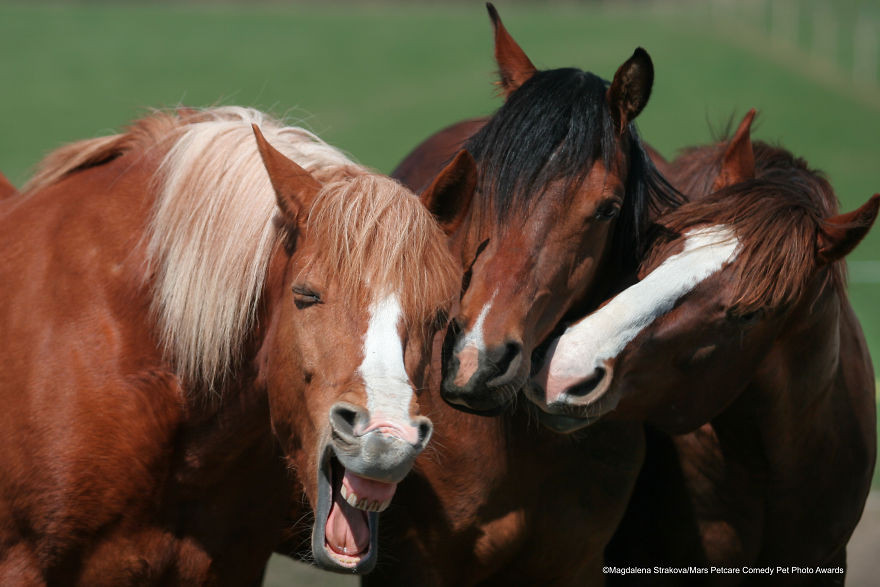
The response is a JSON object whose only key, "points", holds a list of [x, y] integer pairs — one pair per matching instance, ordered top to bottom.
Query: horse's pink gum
{"points": [[468, 363], [367, 488]]}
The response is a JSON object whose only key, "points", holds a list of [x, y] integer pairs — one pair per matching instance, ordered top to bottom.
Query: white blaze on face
{"points": [[602, 335], [471, 345], [388, 390]]}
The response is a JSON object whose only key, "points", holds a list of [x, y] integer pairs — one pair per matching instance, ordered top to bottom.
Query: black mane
{"points": [[555, 126]]}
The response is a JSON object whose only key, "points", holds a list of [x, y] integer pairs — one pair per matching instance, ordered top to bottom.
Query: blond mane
{"points": [[213, 231]]}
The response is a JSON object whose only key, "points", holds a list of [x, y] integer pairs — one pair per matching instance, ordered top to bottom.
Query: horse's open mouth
{"points": [[347, 520]]}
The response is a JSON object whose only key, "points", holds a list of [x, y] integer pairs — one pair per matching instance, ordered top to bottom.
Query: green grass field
{"points": [[375, 79]]}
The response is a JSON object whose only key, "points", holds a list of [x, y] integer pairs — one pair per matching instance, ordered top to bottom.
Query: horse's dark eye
{"points": [[607, 210], [304, 296], [746, 318]]}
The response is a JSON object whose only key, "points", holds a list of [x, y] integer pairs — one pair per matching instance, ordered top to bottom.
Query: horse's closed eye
{"points": [[304, 296], [747, 318]]}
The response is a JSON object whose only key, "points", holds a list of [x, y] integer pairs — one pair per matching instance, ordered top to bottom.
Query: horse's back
{"points": [[6, 188]]}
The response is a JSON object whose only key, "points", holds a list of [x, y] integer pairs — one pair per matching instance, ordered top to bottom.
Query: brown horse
{"points": [[565, 190], [740, 335], [190, 344], [504, 501], [478, 508]]}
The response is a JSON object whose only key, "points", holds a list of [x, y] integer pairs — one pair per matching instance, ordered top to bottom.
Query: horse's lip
{"points": [[489, 413], [563, 418], [563, 423], [324, 556]]}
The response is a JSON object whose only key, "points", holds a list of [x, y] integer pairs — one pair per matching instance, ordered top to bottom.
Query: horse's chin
{"points": [[566, 419], [563, 424], [345, 536]]}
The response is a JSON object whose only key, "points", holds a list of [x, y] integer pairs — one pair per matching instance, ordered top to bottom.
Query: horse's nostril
{"points": [[511, 351], [501, 364], [588, 384], [349, 416], [344, 417], [425, 429]]}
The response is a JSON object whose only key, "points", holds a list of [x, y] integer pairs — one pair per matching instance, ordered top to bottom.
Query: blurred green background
{"points": [[375, 78]]}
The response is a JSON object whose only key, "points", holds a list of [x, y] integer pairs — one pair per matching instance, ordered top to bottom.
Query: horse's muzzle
{"points": [[482, 381], [374, 448], [362, 461]]}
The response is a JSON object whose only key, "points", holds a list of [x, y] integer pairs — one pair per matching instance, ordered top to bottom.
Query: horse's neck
{"points": [[797, 380], [807, 403], [801, 440]]}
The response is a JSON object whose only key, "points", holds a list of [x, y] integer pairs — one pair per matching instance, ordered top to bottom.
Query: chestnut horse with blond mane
{"points": [[192, 344], [741, 350]]}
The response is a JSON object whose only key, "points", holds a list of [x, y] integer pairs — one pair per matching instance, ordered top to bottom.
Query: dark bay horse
{"points": [[564, 189], [191, 343], [740, 348], [503, 500]]}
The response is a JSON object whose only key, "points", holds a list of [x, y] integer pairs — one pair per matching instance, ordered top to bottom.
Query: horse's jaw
{"points": [[337, 522]]}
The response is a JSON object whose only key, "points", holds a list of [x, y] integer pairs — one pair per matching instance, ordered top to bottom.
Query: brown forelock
{"points": [[776, 219], [381, 240]]}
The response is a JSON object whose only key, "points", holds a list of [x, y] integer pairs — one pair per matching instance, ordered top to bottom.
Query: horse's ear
{"points": [[514, 68], [630, 88], [738, 163], [6, 188], [295, 188], [449, 196], [840, 234]]}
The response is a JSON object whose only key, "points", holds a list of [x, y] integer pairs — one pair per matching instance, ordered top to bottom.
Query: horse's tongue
{"points": [[347, 531]]}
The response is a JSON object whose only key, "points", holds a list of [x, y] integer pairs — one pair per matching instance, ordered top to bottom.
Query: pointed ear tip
{"points": [[493, 12], [642, 55], [746, 125], [465, 156], [873, 206]]}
